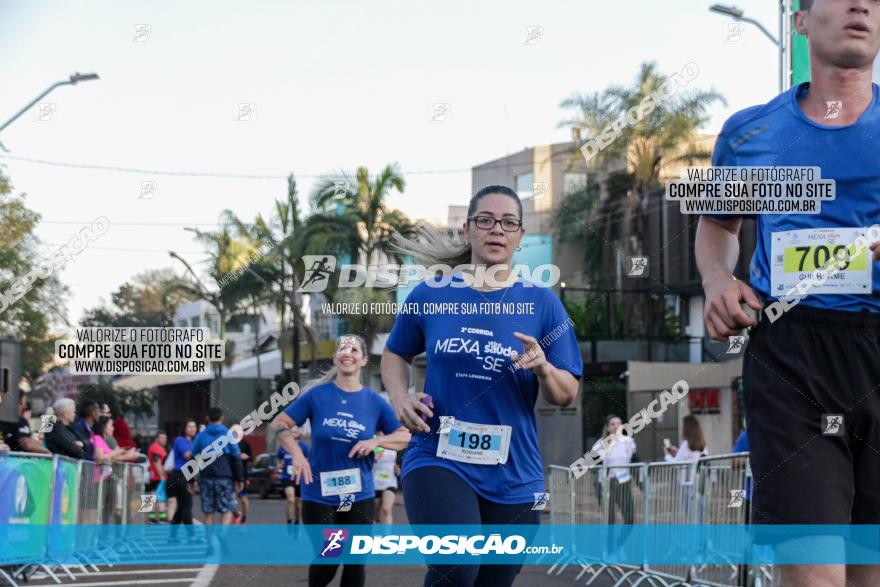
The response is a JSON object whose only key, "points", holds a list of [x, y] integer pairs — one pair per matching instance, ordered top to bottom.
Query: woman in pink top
{"points": [[101, 430]]}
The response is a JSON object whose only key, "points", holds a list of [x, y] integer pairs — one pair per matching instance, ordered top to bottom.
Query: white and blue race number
{"points": [[474, 440], [481, 444], [341, 482]]}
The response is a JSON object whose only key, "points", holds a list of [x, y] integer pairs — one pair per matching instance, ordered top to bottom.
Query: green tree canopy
{"points": [[143, 301], [32, 318]]}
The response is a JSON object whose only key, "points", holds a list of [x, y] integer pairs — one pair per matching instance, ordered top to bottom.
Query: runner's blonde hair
{"points": [[331, 374]]}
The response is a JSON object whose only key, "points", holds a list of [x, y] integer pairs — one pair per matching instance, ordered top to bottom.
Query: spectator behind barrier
{"points": [[89, 411], [102, 430], [122, 433], [17, 435], [63, 439], [110, 440], [4, 448]]}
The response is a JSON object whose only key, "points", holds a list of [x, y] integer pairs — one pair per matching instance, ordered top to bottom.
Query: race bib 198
{"points": [[799, 255], [480, 444], [341, 482]]}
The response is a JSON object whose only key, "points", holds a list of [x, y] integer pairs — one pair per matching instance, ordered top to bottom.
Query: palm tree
{"points": [[663, 137], [353, 219], [360, 224], [594, 224], [612, 226], [225, 255], [280, 268], [255, 286]]}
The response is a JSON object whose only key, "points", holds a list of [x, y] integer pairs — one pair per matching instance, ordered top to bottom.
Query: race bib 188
{"points": [[340, 482]]}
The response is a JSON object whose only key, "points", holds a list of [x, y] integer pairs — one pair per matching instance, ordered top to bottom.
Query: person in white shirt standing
{"points": [[619, 477]]}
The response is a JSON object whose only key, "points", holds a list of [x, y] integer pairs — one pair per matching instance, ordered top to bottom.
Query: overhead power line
{"points": [[159, 172], [329, 175]]}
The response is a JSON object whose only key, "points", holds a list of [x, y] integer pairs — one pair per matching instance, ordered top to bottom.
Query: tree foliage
{"points": [[143, 301], [34, 317], [137, 403]]}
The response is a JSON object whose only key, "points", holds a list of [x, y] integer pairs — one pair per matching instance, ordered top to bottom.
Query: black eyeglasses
{"points": [[488, 223]]}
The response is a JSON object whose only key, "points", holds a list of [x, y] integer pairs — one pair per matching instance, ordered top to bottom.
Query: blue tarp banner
{"points": [[65, 496], [25, 500], [404, 544]]}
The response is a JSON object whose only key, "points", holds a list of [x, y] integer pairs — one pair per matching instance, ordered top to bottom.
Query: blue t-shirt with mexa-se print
{"points": [[469, 375], [340, 419]]}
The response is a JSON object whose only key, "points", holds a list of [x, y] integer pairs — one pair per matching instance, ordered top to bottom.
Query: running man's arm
{"points": [[717, 247], [717, 250]]}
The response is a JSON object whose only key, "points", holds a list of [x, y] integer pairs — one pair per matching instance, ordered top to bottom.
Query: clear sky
{"points": [[333, 85]]}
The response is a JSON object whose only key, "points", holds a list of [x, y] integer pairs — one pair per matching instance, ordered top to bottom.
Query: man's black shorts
{"points": [[807, 364], [285, 483]]}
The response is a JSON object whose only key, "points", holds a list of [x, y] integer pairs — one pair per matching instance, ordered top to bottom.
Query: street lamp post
{"points": [[738, 15], [73, 80]]}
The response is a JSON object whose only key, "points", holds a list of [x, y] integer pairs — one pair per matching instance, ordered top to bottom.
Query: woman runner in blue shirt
{"points": [[486, 362], [345, 416]]}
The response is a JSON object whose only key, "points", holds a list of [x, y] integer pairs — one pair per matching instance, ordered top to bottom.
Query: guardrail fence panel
{"points": [[723, 498], [671, 501], [85, 507]]}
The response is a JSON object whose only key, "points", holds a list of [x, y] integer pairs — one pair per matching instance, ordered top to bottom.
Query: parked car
{"points": [[263, 480]]}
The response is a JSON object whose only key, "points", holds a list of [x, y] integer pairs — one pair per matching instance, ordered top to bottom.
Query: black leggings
{"points": [[177, 488], [434, 495], [621, 499], [318, 514]]}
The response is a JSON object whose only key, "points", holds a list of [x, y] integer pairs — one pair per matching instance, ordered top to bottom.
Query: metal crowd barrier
{"points": [[722, 484], [53, 491], [712, 491], [594, 499], [671, 500], [623, 503], [562, 507]]}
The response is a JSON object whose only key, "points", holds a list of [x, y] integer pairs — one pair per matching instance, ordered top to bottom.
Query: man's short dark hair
{"points": [[805, 4], [86, 407], [215, 414], [160, 433]]}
